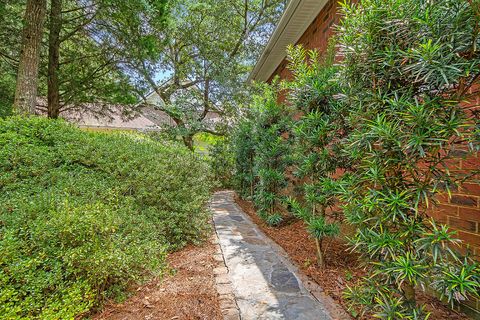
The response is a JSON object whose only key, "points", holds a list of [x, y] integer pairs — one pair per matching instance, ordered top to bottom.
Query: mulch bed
{"points": [[342, 266], [187, 295]]}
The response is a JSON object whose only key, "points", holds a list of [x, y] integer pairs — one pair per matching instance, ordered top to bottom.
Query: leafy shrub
{"points": [[407, 65], [271, 122], [317, 139], [243, 148], [261, 152], [222, 162], [82, 215], [274, 219]]}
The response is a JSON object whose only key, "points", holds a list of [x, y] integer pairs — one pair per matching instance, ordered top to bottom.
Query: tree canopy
{"points": [[195, 55], [203, 57], [81, 61]]}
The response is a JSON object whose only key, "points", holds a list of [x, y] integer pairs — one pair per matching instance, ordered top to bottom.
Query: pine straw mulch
{"points": [[342, 266], [189, 294]]}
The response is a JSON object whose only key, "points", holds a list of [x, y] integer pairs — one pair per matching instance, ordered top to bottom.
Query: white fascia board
{"points": [[298, 16]]}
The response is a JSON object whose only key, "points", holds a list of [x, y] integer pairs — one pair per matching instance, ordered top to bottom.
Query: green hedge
{"points": [[83, 215]]}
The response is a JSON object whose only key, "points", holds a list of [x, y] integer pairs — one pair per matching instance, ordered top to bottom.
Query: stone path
{"points": [[264, 284]]}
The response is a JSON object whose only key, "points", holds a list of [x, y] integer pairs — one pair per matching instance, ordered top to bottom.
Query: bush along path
{"points": [[84, 215], [265, 285]]}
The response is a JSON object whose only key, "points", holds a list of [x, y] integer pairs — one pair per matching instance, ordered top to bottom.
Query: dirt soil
{"points": [[342, 267], [189, 294]]}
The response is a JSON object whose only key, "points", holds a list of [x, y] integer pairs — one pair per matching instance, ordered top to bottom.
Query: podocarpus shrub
{"points": [[406, 64], [271, 123], [316, 140], [243, 148], [261, 152], [222, 162], [83, 215]]}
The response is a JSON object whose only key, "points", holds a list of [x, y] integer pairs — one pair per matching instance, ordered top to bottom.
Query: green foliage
{"points": [[10, 26], [97, 44], [406, 66], [205, 70], [316, 137], [268, 142], [261, 150], [271, 150], [244, 156], [221, 161], [83, 215], [274, 219], [320, 228]]}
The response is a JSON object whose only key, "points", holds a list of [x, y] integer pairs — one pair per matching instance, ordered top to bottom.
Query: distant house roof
{"points": [[297, 18], [154, 99], [111, 117], [114, 121]]}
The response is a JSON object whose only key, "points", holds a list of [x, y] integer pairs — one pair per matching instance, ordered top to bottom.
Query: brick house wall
{"points": [[316, 36], [462, 210]]}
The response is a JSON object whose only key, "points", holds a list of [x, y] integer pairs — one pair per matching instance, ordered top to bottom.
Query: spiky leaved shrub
{"points": [[406, 64], [316, 137], [243, 148], [271, 150], [261, 152], [222, 162]]}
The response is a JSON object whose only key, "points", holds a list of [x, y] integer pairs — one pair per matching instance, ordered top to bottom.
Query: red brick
{"points": [[316, 36], [471, 188], [442, 198], [463, 200], [446, 210], [469, 214], [438, 216], [461, 224], [469, 238], [464, 249], [475, 251]]}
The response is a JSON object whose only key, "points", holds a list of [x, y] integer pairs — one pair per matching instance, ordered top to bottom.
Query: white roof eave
{"points": [[298, 16]]}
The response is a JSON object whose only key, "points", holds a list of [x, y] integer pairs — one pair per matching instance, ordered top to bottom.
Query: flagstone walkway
{"points": [[265, 285]]}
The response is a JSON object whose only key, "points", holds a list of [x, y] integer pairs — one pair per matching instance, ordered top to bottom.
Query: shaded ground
{"points": [[342, 269], [190, 294]]}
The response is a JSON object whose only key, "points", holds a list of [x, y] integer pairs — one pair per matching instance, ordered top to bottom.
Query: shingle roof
{"points": [[104, 116]]}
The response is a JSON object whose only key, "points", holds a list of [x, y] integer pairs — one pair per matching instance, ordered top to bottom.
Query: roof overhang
{"points": [[297, 18]]}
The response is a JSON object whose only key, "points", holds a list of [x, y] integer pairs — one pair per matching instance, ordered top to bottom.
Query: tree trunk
{"points": [[54, 58], [27, 77], [188, 141], [318, 244], [320, 259]]}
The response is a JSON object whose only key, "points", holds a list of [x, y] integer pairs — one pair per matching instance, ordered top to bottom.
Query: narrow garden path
{"points": [[265, 285]]}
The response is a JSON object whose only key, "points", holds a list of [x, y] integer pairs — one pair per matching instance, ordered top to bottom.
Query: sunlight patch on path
{"points": [[264, 283]]}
